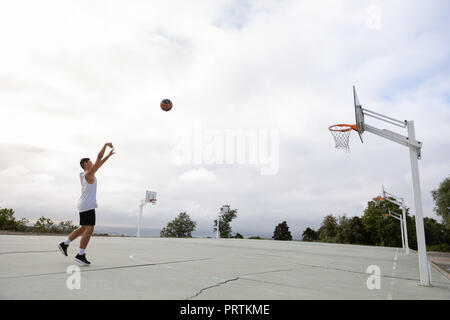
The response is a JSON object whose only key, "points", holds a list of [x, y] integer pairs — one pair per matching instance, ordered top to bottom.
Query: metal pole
{"points": [[401, 203], [140, 219], [218, 223], [401, 226], [401, 230], [406, 230], [421, 246]]}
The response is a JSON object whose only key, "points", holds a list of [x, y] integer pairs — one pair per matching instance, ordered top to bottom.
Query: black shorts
{"points": [[87, 218]]}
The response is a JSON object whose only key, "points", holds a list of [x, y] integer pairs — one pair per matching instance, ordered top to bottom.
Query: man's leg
{"points": [[76, 233], [86, 236], [81, 256]]}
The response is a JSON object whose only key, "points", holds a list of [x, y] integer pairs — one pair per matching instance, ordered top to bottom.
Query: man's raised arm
{"points": [[102, 152], [99, 161], [102, 161]]}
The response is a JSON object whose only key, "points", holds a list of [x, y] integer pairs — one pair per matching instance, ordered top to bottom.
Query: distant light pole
{"points": [[224, 210]]}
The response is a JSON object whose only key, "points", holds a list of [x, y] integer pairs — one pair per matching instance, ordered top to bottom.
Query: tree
{"points": [[441, 198], [9, 222], [45, 225], [224, 225], [66, 227], [181, 227], [328, 229], [383, 230], [351, 231], [282, 232], [434, 232], [310, 235], [238, 236]]}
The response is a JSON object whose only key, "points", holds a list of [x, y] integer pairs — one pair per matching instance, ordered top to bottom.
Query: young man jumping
{"points": [[86, 204]]}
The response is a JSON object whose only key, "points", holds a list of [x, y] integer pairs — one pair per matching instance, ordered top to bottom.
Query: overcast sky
{"points": [[77, 74]]}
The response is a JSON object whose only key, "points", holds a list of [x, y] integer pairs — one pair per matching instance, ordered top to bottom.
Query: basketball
{"points": [[166, 104]]}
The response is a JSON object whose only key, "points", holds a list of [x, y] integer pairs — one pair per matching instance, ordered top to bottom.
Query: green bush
{"points": [[9, 222], [46, 225], [181, 227], [282, 232], [256, 238], [328, 240], [443, 247]]}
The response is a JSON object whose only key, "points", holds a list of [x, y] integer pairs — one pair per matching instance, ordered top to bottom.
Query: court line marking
{"points": [[37, 251], [84, 268], [392, 284]]}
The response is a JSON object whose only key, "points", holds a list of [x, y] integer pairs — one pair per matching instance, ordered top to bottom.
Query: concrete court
{"points": [[32, 267]]}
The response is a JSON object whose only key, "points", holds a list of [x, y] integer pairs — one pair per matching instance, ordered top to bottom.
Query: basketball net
{"points": [[341, 135]]}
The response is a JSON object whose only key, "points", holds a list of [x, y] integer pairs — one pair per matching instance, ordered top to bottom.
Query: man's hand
{"points": [[99, 162]]}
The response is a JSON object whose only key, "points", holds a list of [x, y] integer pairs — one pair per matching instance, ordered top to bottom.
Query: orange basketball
{"points": [[166, 104]]}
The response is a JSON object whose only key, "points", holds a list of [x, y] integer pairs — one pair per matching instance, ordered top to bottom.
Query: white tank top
{"points": [[88, 199]]}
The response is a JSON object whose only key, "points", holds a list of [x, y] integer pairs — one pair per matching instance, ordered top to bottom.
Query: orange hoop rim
{"points": [[346, 127], [378, 199]]}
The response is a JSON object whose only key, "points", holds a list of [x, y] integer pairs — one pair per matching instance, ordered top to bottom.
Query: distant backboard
{"points": [[359, 115], [150, 196], [225, 209]]}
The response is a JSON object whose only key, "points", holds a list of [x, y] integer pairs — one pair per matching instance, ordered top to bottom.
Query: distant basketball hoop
{"points": [[150, 197], [378, 200]]}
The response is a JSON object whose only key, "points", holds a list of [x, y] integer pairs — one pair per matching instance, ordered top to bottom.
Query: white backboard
{"points": [[359, 115], [150, 195], [225, 209]]}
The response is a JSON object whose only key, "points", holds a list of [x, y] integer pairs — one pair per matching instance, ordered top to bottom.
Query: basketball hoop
{"points": [[341, 135], [378, 200]]}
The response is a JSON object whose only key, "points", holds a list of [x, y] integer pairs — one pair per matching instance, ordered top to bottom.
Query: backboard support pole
{"points": [[415, 148], [415, 154], [150, 197], [401, 203], [225, 209], [140, 218], [400, 219], [218, 224], [406, 230], [425, 278]]}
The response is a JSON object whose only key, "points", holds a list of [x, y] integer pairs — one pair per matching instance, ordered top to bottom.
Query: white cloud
{"points": [[196, 175]]}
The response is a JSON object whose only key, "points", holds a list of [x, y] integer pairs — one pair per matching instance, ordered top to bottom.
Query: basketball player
{"points": [[86, 204]]}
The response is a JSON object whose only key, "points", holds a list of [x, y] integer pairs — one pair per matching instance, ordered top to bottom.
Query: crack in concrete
{"points": [[234, 279], [216, 285]]}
